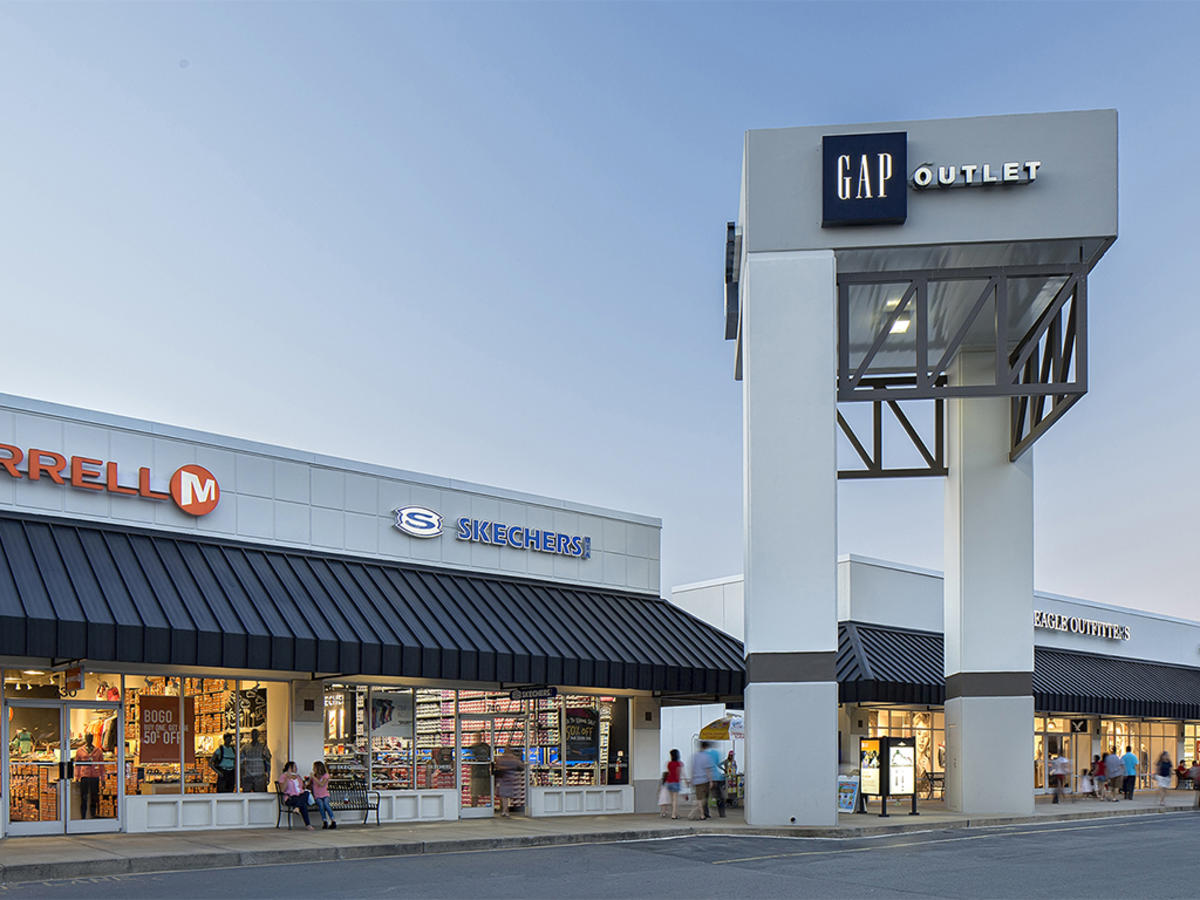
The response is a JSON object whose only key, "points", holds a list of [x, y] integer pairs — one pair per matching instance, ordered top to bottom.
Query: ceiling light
{"points": [[891, 304], [900, 325], [33, 672]]}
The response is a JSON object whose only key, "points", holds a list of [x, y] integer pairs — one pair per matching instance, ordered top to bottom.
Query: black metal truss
{"points": [[1044, 358], [1048, 364], [933, 451]]}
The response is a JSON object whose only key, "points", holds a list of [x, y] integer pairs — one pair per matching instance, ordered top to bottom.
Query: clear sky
{"points": [[486, 241]]}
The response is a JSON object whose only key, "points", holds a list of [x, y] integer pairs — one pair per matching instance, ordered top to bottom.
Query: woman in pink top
{"points": [[319, 782], [294, 793]]}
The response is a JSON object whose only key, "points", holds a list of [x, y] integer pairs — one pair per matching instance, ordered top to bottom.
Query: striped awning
{"points": [[72, 590], [877, 664]]}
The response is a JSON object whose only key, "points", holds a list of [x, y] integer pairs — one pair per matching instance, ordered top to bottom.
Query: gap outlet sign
{"points": [[864, 179], [193, 488]]}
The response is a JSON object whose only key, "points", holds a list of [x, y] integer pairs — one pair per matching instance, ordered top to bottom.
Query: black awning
{"points": [[70, 590], [895, 665]]}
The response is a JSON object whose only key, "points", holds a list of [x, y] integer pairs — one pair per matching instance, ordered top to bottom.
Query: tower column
{"points": [[789, 371], [988, 604]]}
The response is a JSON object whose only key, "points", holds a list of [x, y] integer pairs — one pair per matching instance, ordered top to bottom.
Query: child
{"points": [[319, 781], [1085, 781], [664, 797]]}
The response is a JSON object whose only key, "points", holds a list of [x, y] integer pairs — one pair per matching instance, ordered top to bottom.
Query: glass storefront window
{"points": [[210, 709], [927, 728], [153, 735], [392, 738], [434, 738], [262, 751], [1190, 751], [346, 753]]}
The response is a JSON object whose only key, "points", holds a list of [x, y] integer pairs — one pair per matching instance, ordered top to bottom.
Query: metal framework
{"points": [[1044, 372], [932, 451]]}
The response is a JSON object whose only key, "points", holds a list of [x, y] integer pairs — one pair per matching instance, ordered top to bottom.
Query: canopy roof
{"points": [[72, 590]]}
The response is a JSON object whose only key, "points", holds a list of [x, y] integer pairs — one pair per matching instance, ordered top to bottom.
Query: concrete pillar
{"points": [[789, 369], [988, 605], [646, 761]]}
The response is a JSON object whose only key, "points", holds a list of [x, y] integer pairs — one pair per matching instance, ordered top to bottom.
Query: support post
{"points": [[789, 347], [988, 604]]}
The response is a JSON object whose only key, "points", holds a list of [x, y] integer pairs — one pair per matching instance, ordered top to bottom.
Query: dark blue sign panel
{"points": [[864, 179]]}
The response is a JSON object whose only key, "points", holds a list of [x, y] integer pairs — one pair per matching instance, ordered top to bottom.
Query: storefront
{"points": [[181, 614], [1104, 676]]}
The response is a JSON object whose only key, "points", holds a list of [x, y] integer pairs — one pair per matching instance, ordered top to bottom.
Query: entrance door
{"points": [[477, 743], [63, 767]]}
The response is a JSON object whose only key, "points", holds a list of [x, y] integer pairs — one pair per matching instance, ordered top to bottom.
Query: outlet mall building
{"points": [[161, 588], [1103, 675]]}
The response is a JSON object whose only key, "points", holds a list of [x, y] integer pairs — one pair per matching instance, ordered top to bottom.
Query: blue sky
{"points": [[486, 240]]}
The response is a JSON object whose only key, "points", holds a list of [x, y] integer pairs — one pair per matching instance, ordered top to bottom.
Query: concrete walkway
{"points": [[24, 859]]}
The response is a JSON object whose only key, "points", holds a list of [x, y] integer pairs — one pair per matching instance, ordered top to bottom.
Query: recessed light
{"points": [[900, 325]]}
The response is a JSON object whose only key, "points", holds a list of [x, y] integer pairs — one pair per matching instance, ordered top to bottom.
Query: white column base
{"points": [[791, 753], [989, 755]]}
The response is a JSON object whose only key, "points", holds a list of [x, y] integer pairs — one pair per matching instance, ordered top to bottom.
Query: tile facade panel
{"points": [[36, 432], [255, 476], [328, 488], [362, 493], [278, 495], [255, 516], [292, 522], [328, 527], [362, 533], [615, 537]]}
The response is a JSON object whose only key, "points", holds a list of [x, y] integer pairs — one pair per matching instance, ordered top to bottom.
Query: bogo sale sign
{"points": [[159, 731]]}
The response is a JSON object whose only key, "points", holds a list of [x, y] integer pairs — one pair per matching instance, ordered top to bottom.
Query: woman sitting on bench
{"points": [[294, 793]]}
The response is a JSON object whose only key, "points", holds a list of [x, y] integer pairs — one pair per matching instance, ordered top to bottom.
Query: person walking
{"points": [[1130, 761], [702, 766], [508, 768], [1060, 771], [1114, 771], [1162, 775], [674, 781], [1099, 781], [716, 785]]}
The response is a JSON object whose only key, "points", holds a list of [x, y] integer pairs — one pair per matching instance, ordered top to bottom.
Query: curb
{"points": [[144, 864]]}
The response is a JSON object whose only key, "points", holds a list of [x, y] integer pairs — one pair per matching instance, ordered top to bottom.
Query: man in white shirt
{"points": [[1060, 771]]}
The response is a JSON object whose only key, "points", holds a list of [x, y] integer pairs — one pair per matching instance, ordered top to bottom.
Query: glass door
{"points": [[476, 742], [63, 767], [35, 768], [93, 787]]}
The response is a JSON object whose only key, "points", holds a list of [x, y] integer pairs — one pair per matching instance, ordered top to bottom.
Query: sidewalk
{"points": [[26, 859]]}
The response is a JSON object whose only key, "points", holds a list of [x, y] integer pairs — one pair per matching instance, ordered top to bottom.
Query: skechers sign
{"points": [[863, 180], [418, 521], [501, 535]]}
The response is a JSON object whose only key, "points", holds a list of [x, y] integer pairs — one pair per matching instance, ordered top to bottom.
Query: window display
{"points": [[434, 730], [346, 735]]}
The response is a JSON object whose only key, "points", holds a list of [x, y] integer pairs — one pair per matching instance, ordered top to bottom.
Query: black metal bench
{"points": [[355, 799]]}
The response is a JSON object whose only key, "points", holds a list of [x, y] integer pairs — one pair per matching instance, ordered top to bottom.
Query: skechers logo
{"points": [[418, 521]]}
